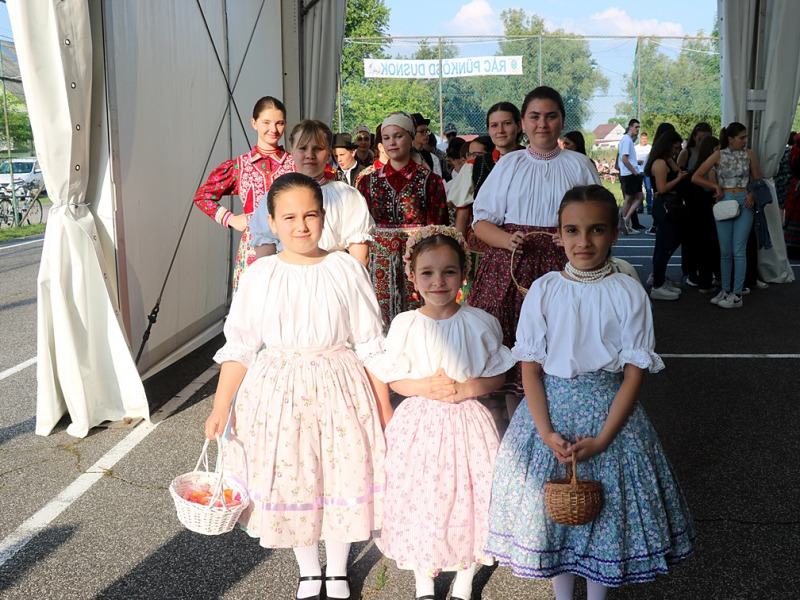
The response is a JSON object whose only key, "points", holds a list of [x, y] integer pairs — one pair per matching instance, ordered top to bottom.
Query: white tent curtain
{"points": [[323, 37], [777, 68], [84, 363]]}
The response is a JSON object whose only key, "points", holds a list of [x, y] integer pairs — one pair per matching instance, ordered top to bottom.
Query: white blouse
{"points": [[527, 191], [461, 192], [347, 219], [281, 305], [572, 328], [467, 345]]}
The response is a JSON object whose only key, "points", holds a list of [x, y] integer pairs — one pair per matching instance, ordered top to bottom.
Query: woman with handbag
{"points": [[736, 166], [667, 207]]}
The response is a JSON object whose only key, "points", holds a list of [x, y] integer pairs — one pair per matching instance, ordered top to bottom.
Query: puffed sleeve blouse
{"points": [[525, 190], [347, 220], [330, 303], [572, 328], [467, 345]]}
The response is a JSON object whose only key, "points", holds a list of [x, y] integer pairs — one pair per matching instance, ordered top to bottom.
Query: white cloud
{"points": [[475, 18], [616, 21]]}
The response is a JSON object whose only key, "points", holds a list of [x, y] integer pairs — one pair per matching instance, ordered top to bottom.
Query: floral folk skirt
{"points": [[245, 256], [494, 291], [395, 292], [306, 439], [439, 462], [644, 526]]}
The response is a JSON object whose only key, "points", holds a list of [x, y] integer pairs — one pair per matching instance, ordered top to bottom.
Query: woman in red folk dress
{"points": [[249, 177], [402, 196]]}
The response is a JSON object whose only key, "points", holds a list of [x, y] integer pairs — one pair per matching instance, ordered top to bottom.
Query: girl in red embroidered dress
{"points": [[249, 177], [402, 196]]}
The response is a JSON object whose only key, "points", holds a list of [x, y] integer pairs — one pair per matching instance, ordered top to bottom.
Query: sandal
{"points": [[307, 578]]}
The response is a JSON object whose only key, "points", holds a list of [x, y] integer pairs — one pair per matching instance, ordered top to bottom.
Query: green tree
{"points": [[565, 64], [682, 91], [19, 125]]}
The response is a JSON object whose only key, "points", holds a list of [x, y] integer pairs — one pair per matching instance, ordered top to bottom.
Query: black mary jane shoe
{"points": [[308, 578], [337, 578], [428, 597]]}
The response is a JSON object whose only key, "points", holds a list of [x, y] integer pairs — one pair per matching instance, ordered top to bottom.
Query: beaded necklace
{"points": [[544, 155], [592, 276]]}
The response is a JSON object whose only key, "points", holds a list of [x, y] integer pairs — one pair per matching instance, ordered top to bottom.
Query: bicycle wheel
{"points": [[6, 214], [34, 214]]}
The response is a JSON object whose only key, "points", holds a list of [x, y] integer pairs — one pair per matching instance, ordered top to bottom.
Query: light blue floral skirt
{"points": [[645, 524]]}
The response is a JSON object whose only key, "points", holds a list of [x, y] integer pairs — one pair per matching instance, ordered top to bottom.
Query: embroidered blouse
{"points": [[248, 176], [412, 196]]}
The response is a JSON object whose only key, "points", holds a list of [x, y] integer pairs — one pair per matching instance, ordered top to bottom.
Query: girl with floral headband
{"points": [[402, 196], [441, 442]]}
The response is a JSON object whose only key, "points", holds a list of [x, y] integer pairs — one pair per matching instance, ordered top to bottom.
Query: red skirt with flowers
{"points": [[245, 257], [494, 291], [395, 292]]}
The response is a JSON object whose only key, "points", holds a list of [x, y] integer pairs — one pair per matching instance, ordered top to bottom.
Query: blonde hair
{"points": [[309, 130]]}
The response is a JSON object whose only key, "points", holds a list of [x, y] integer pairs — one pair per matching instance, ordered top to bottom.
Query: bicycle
{"points": [[28, 203]]}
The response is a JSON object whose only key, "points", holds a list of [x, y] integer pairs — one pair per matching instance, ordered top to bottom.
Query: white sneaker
{"points": [[668, 283], [761, 285], [673, 287], [745, 291], [663, 293], [719, 297], [731, 301]]}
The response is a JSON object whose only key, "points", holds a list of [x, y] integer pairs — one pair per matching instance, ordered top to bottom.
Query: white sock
{"points": [[337, 553], [308, 561], [424, 583], [462, 586], [563, 586], [595, 591]]}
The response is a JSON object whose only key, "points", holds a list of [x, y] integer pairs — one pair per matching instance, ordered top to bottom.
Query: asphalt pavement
{"points": [[92, 518]]}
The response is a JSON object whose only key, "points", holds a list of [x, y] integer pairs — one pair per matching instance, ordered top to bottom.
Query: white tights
{"points": [[308, 561], [564, 584], [462, 586]]}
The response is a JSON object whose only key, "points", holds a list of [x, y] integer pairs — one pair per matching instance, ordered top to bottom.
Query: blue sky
{"points": [[584, 17]]}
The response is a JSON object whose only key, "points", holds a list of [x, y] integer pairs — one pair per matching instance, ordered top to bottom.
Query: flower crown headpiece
{"points": [[424, 232]]}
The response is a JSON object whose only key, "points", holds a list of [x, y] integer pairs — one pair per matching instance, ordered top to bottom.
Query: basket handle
{"points": [[521, 289], [574, 468], [218, 492]]}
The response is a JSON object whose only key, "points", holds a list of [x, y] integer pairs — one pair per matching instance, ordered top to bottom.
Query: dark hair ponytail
{"points": [[730, 131], [292, 181]]}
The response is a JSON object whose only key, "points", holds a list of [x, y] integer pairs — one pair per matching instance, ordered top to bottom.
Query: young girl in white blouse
{"points": [[585, 339], [305, 432], [441, 443]]}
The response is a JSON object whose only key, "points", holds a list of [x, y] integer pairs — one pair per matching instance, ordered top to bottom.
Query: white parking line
{"points": [[39, 241], [729, 355], [18, 368], [38, 522]]}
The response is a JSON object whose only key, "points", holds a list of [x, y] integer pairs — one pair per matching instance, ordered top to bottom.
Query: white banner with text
{"points": [[451, 67]]}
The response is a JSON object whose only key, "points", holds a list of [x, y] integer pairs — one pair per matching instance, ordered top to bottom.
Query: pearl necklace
{"points": [[592, 276]]}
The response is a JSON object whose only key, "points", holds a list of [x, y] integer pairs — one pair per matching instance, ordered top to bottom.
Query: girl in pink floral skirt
{"points": [[305, 431], [441, 443]]}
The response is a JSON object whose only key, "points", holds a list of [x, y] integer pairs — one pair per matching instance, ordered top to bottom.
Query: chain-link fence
{"points": [[602, 80]]}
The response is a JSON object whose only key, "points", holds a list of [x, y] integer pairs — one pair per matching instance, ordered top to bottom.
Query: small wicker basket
{"points": [[523, 290], [573, 501], [208, 519]]}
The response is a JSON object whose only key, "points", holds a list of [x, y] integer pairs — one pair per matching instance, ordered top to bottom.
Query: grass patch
{"points": [[615, 188], [20, 232], [381, 577]]}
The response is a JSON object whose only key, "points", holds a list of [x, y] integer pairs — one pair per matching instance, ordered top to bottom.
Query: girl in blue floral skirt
{"points": [[585, 338]]}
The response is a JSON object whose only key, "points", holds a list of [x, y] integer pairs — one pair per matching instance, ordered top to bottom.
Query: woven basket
{"points": [[523, 290], [573, 501], [208, 519]]}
